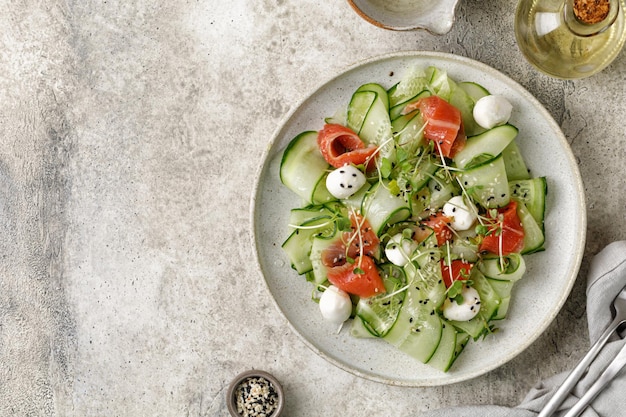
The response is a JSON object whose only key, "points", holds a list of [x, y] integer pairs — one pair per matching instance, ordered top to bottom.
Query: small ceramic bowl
{"points": [[435, 16], [257, 386]]}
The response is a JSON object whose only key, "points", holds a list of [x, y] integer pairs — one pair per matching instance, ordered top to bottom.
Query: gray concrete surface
{"points": [[130, 135]]}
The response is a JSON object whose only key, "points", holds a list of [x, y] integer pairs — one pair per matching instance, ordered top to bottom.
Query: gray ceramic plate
{"points": [[537, 298]]}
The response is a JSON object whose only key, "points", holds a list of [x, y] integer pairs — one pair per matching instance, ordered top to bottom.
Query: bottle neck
{"points": [[590, 17]]}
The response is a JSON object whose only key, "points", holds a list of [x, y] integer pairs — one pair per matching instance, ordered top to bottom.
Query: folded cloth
{"points": [[606, 278]]}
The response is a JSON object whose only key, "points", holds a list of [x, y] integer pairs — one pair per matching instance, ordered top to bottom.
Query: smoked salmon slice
{"points": [[444, 125]]}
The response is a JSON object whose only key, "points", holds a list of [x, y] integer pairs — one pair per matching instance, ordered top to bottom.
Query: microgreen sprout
{"points": [[385, 167], [314, 226], [359, 234], [455, 291]]}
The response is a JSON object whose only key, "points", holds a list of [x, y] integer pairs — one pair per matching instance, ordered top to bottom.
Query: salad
{"points": [[418, 210]]}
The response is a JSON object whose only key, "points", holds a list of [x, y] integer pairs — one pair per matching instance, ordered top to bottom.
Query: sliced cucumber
{"points": [[411, 84], [441, 84], [378, 89], [474, 90], [462, 101], [359, 105], [399, 109], [368, 115], [340, 117], [399, 123], [376, 128], [409, 132], [485, 146], [303, 167], [516, 168], [422, 171], [487, 183], [442, 188], [320, 192], [532, 192], [355, 201], [419, 202], [383, 208], [297, 216], [533, 234], [298, 244], [318, 245], [464, 245], [506, 268], [425, 271], [503, 289], [489, 299], [489, 303], [503, 308], [379, 313], [475, 328], [359, 330], [417, 330], [462, 339], [445, 354]]}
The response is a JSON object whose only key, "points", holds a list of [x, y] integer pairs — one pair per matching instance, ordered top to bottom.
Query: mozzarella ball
{"points": [[491, 111], [345, 181], [462, 213], [399, 249], [335, 305], [465, 311]]}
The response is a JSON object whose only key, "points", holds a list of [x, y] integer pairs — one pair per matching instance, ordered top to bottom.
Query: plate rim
{"points": [[577, 184]]}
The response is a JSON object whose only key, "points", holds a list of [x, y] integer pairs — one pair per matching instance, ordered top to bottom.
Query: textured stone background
{"points": [[131, 132]]}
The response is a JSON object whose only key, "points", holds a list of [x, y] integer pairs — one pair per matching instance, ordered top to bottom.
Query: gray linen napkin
{"points": [[606, 278]]}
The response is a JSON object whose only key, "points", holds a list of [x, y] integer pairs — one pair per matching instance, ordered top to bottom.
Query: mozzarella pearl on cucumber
{"points": [[491, 111], [345, 181], [462, 213], [399, 249], [335, 305], [465, 311]]}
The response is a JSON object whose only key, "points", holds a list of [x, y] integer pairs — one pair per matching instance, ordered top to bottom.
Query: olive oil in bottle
{"points": [[570, 38]]}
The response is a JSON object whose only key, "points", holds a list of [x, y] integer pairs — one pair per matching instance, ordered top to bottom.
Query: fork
{"points": [[619, 305], [614, 367]]}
